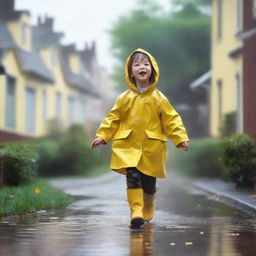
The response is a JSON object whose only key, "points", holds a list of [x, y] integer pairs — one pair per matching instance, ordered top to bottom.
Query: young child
{"points": [[138, 124]]}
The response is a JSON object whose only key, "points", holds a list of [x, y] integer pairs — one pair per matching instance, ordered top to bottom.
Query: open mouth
{"points": [[142, 73]]}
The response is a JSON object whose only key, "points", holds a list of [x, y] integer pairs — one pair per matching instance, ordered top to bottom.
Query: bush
{"points": [[48, 151], [70, 154], [239, 158], [201, 160], [19, 163]]}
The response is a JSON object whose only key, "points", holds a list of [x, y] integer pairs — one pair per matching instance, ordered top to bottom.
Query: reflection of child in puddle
{"points": [[138, 124], [141, 241]]}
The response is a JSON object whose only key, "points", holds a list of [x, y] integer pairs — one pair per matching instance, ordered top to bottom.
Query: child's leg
{"points": [[149, 188], [135, 196]]}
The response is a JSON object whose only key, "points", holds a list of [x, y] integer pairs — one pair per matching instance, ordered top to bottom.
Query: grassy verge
{"points": [[31, 197]]}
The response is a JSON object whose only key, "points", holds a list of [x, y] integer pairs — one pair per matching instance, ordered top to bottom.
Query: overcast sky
{"points": [[83, 20]]}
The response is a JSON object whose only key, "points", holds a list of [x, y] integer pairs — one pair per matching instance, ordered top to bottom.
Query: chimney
{"points": [[49, 23]]}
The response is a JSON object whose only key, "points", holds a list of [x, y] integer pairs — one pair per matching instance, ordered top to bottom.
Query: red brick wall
{"points": [[249, 73], [9, 136]]}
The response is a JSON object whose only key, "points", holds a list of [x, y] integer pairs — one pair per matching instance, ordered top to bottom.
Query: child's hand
{"points": [[96, 142], [184, 145]]}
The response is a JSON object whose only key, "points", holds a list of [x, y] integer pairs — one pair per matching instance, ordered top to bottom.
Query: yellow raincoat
{"points": [[138, 124]]}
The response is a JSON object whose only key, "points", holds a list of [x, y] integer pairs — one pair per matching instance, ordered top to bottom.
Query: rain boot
{"points": [[135, 199], [149, 206]]}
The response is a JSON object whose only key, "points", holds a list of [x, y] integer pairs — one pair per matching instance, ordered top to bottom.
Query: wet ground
{"points": [[187, 222]]}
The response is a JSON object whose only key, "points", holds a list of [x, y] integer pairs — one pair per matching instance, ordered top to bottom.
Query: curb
{"points": [[229, 194]]}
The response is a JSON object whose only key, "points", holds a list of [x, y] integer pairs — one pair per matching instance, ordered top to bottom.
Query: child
{"points": [[138, 124]]}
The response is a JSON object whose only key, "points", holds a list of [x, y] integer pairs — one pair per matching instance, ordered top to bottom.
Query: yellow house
{"points": [[226, 63], [40, 80]]}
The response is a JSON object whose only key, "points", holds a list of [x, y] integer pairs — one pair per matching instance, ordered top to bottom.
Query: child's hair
{"points": [[135, 56]]}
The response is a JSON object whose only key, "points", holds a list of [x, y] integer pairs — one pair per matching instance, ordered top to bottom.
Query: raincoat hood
{"points": [[154, 66]]}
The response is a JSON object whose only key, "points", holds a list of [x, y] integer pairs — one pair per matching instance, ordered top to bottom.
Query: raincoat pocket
{"points": [[122, 134], [155, 135]]}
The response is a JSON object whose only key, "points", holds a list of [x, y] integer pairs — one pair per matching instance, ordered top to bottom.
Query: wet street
{"points": [[187, 222]]}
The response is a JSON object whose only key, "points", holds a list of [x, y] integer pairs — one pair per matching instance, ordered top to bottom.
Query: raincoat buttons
{"points": [[142, 96], [136, 119], [139, 148]]}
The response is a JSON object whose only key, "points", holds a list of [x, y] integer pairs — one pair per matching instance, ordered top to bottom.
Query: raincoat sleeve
{"points": [[172, 123], [110, 124]]}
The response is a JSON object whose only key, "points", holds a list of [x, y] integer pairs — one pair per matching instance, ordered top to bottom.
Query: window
{"points": [[254, 9], [239, 16], [219, 19], [219, 84], [239, 104], [10, 105], [44, 105], [58, 105], [30, 106], [71, 110], [80, 110]]}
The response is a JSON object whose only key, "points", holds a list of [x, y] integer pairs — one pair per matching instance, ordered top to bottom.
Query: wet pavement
{"points": [[188, 221]]}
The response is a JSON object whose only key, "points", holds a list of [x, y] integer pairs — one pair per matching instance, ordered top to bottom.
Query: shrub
{"points": [[48, 153], [70, 154], [239, 158], [201, 160], [19, 162]]}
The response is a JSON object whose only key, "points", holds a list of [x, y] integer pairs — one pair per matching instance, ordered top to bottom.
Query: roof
{"points": [[248, 34], [43, 38], [6, 40], [235, 52], [32, 63], [80, 81], [201, 81]]}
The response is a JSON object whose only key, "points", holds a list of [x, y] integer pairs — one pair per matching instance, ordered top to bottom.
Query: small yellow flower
{"points": [[37, 191]]}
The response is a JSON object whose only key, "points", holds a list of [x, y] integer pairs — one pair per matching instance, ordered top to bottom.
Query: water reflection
{"points": [[186, 223], [141, 241]]}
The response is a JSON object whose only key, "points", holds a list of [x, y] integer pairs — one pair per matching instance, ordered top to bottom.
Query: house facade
{"points": [[40, 79], [226, 90]]}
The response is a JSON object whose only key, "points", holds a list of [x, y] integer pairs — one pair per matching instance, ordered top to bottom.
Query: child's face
{"points": [[141, 70]]}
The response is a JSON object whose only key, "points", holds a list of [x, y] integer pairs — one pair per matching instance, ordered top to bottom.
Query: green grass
{"points": [[31, 197]]}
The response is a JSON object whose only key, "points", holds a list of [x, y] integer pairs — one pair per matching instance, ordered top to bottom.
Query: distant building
{"points": [[41, 80]]}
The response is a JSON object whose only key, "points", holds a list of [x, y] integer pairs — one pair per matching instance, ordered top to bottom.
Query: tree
{"points": [[180, 41]]}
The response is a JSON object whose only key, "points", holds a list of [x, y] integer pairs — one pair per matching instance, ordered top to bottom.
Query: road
{"points": [[187, 222]]}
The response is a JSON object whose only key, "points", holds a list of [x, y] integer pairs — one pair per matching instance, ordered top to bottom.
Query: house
{"points": [[226, 64], [40, 79], [225, 79], [232, 80]]}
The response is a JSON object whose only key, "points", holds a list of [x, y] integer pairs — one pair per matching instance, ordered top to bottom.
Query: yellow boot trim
{"points": [[136, 202], [149, 206]]}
